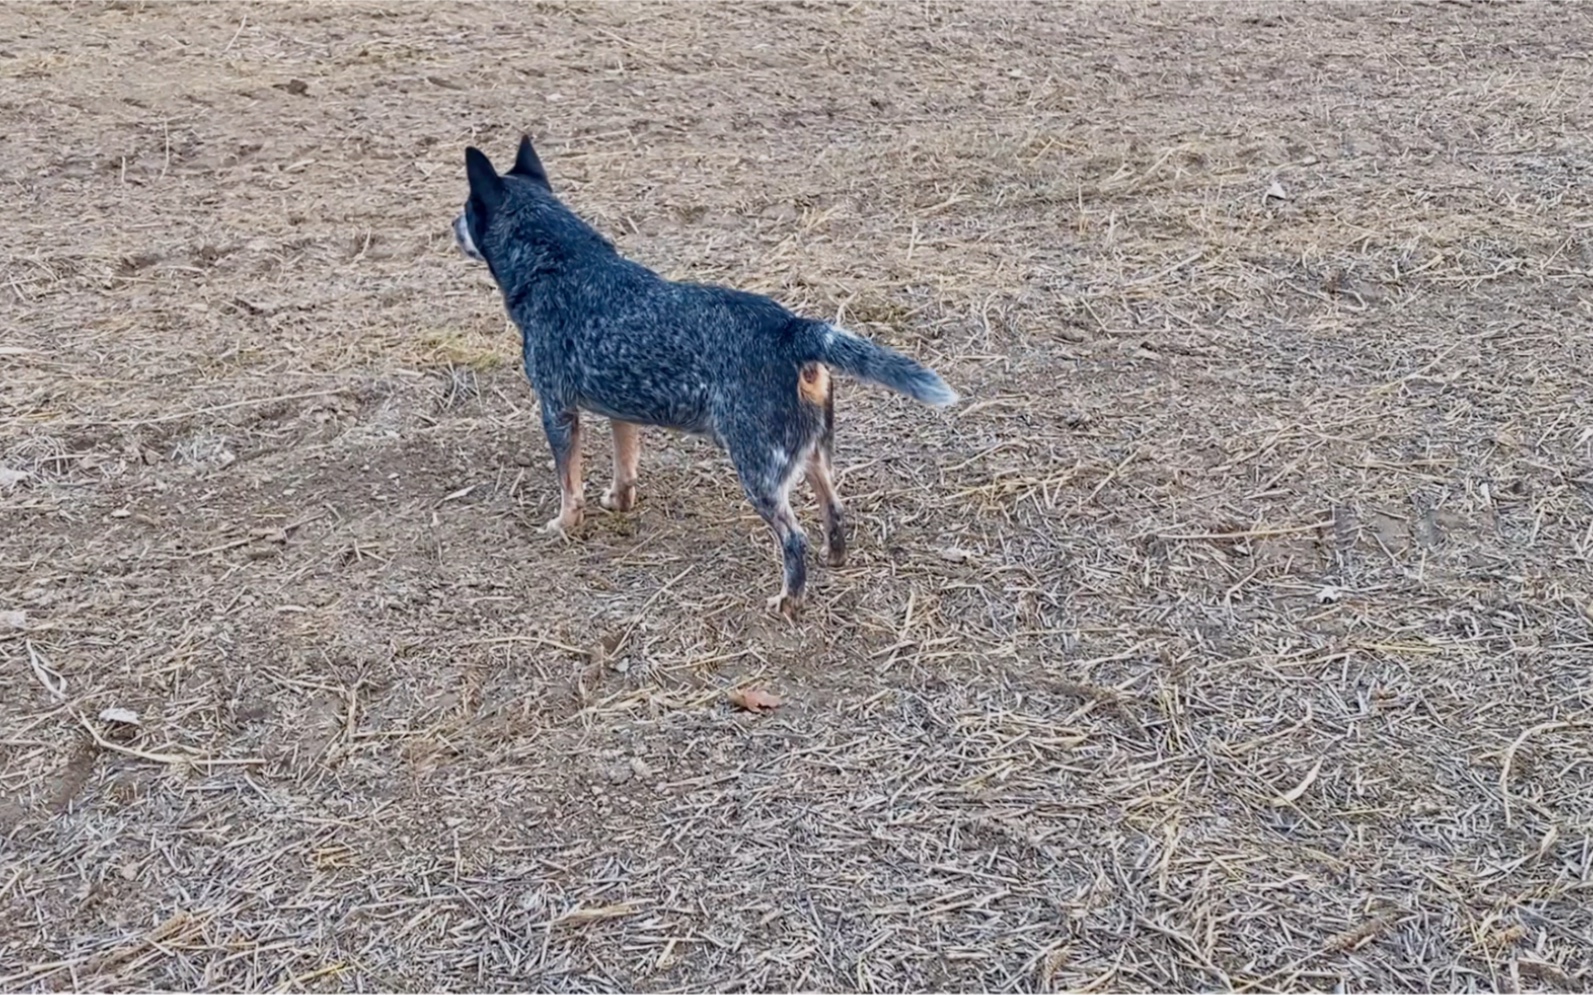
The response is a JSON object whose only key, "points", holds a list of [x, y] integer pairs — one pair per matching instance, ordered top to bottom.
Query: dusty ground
{"points": [[1233, 634]]}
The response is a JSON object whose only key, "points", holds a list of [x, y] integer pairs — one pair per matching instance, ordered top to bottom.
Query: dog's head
{"points": [[493, 195]]}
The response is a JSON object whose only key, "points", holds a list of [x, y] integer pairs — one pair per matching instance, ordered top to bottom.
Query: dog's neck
{"points": [[540, 246]]}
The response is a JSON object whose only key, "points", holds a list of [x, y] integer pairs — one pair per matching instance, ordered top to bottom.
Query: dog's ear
{"points": [[528, 165], [485, 183]]}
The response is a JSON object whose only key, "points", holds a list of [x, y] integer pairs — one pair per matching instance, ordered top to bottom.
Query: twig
{"points": [[241, 25], [196, 412], [1131, 457], [1281, 530], [534, 640], [43, 671], [161, 758], [1510, 758]]}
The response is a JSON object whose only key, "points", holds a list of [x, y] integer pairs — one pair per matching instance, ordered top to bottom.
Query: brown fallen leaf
{"points": [[753, 699]]}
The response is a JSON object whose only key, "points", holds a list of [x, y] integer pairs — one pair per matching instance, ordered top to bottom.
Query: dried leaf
{"points": [[753, 699], [123, 716], [1293, 794], [597, 914]]}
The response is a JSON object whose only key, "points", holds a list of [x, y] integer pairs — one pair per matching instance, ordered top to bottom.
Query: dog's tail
{"points": [[867, 360]]}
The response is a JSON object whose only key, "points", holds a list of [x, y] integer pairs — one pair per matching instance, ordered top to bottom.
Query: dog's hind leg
{"points": [[563, 429], [627, 452], [767, 478], [821, 478], [823, 484], [793, 554]]}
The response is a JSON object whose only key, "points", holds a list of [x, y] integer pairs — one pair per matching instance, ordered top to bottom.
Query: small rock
{"points": [[1276, 192], [10, 478], [13, 618], [640, 767], [619, 773]]}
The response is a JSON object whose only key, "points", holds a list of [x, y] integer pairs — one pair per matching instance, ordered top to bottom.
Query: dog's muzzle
{"points": [[462, 238]]}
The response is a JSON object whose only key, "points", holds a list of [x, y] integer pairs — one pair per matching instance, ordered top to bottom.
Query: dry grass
{"points": [[1234, 634]]}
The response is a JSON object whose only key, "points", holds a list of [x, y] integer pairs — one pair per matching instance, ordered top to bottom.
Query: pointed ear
{"points": [[528, 165], [485, 183]]}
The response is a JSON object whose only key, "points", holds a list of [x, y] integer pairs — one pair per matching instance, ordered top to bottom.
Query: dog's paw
{"points": [[618, 498], [563, 525], [835, 552], [786, 604]]}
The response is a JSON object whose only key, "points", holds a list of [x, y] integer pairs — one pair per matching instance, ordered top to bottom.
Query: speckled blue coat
{"points": [[607, 335]]}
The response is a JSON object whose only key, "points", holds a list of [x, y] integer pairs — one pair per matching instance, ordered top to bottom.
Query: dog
{"points": [[606, 335]]}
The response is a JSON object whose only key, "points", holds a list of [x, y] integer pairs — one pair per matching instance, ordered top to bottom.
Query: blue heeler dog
{"points": [[609, 336]]}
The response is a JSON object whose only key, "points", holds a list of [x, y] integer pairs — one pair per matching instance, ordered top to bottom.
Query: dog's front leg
{"points": [[563, 429], [627, 452]]}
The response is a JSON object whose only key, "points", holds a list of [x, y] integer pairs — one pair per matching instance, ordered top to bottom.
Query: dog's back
{"points": [[613, 337]]}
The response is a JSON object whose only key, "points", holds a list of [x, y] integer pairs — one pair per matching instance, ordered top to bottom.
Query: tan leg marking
{"points": [[627, 453], [823, 484], [572, 497]]}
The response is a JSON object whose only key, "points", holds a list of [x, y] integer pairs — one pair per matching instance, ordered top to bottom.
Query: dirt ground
{"points": [[1234, 633]]}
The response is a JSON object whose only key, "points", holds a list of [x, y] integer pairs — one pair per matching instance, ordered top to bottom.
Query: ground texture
{"points": [[1233, 634]]}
